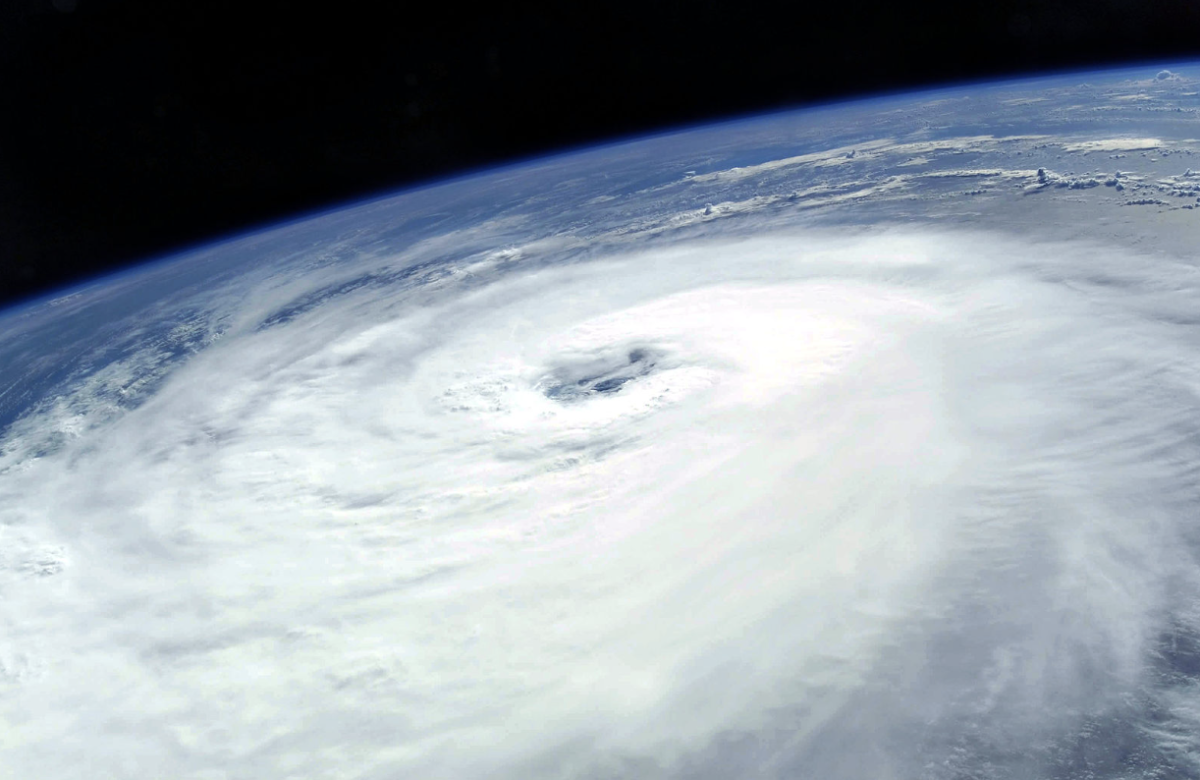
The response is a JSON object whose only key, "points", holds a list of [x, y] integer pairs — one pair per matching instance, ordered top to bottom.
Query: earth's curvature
{"points": [[859, 442]]}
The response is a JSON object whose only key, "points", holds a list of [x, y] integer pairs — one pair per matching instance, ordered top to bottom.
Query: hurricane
{"points": [[804, 464]]}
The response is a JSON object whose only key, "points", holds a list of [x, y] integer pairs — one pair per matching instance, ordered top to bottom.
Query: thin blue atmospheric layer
{"points": [[877, 101], [50, 343]]}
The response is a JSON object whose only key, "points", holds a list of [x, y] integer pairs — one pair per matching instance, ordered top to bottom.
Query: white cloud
{"points": [[1113, 145], [866, 151], [906, 492]]}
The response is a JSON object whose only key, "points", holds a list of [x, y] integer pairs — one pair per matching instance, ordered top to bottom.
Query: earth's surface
{"points": [[858, 442]]}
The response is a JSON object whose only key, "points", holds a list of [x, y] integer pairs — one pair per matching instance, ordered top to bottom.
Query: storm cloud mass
{"points": [[835, 501]]}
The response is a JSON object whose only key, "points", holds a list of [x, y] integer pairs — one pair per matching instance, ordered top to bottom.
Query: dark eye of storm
{"points": [[579, 381]]}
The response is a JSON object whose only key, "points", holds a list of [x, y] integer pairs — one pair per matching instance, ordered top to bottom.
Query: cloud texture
{"points": [[890, 504]]}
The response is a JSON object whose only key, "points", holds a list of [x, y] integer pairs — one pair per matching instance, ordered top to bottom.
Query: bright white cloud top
{"points": [[529, 498]]}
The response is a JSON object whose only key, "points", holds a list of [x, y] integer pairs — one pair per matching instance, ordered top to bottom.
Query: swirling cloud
{"points": [[809, 504]]}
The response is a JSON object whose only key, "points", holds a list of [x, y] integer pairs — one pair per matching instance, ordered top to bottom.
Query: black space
{"points": [[129, 128]]}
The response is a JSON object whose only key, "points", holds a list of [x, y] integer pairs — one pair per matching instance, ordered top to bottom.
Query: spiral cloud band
{"points": [[880, 504]]}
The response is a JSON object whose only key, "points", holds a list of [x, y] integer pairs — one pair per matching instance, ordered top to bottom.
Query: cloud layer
{"points": [[890, 504]]}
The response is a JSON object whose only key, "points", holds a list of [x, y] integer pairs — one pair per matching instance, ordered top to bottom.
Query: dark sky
{"points": [[129, 128]]}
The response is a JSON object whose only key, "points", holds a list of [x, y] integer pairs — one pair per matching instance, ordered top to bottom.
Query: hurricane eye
{"points": [[604, 375]]}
